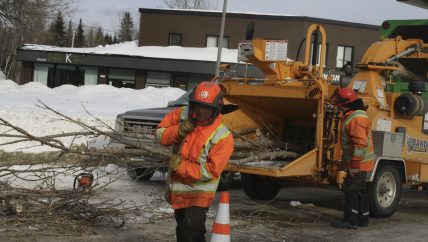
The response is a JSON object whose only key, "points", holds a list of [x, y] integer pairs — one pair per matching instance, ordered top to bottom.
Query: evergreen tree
{"points": [[126, 31], [57, 32], [69, 33], [80, 36], [99, 37], [90, 38], [108, 39], [115, 40]]}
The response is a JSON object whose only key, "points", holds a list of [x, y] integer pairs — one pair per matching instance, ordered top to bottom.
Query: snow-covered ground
{"points": [[18, 105]]}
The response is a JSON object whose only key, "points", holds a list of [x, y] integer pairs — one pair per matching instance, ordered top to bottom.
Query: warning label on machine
{"points": [[276, 50]]}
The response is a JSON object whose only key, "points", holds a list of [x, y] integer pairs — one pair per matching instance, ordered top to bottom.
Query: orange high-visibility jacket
{"points": [[357, 142], [204, 155]]}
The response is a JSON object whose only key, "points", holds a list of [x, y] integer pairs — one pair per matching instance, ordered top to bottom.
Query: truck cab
{"points": [[141, 124]]}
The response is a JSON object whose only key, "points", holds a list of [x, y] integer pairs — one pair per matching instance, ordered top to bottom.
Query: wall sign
{"points": [[66, 58], [416, 145]]}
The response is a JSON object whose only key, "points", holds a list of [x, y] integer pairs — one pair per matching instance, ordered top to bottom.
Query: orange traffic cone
{"points": [[221, 228]]}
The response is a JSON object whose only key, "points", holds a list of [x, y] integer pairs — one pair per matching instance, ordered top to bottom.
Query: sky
{"points": [[106, 13]]}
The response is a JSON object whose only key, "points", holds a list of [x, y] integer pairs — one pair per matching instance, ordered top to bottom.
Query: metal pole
{"points": [[72, 38], [220, 42]]}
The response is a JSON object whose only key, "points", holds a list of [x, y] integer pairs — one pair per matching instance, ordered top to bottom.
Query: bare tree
{"points": [[190, 4], [14, 12], [23, 21]]}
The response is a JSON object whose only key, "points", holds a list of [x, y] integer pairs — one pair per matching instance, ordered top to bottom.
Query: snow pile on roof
{"points": [[131, 49], [18, 105]]}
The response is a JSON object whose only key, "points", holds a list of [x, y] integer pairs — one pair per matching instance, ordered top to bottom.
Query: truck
{"points": [[286, 129]]}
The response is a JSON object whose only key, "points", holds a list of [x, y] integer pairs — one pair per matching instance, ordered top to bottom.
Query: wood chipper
{"points": [[286, 128]]}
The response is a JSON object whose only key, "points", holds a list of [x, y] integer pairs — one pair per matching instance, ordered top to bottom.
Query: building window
{"points": [[175, 39], [213, 41], [319, 54], [344, 54], [41, 73], [66, 74], [89, 75], [122, 78], [158, 79], [180, 81]]}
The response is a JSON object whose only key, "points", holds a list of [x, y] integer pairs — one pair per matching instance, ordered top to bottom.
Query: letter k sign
{"points": [[67, 58]]}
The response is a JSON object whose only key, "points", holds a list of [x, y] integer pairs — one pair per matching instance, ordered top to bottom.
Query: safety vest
{"points": [[359, 152], [193, 183]]}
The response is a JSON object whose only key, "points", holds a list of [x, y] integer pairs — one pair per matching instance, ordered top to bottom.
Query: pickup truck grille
{"points": [[140, 126]]}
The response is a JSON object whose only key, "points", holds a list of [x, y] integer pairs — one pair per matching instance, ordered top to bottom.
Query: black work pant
{"points": [[356, 210], [190, 224]]}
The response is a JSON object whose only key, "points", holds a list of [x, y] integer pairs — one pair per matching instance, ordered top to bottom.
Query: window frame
{"points": [[170, 35], [217, 40], [344, 53], [158, 84]]}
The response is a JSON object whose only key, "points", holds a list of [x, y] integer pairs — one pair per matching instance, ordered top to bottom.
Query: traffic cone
{"points": [[221, 228]]}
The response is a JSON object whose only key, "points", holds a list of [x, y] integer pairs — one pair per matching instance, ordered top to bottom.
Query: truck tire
{"points": [[139, 173], [226, 180], [259, 187], [385, 191]]}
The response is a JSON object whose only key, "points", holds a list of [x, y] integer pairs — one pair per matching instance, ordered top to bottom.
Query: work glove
{"points": [[185, 128], [174, 162]]}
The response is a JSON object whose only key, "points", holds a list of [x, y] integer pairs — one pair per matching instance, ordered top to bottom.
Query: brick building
{"points": [[178, 32]]}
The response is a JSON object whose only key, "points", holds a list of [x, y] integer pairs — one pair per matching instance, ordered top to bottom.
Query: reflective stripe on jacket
{"points": [[357, 143], [204, 155]]}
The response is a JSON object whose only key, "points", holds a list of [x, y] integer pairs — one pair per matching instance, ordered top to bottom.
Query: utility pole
{"points": [[72, 38], [220, 42]]}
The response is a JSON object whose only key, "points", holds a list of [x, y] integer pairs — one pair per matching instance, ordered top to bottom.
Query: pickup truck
{"points": [[144, 122]]}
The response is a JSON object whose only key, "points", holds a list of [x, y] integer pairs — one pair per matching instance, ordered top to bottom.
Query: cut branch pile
{"points": [[29, 193], [44, 202]]}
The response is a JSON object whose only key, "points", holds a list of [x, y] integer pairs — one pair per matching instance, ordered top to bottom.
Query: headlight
{"points": [[118, 125]]}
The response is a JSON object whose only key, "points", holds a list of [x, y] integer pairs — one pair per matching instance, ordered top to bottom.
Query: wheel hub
{"points": [[386, 189]]}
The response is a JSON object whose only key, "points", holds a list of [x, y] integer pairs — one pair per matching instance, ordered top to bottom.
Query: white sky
{"points": [[106, 12]]}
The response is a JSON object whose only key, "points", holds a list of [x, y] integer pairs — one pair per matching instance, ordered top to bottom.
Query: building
{"points": [[176, 32], [345, 41], [123, 65]]}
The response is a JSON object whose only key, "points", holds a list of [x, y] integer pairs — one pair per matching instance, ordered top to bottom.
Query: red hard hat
{"points": [[207, 93], [346, 95]]}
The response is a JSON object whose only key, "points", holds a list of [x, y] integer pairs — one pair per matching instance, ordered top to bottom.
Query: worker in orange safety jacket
{"points": [[202, 147], [358, 155]]}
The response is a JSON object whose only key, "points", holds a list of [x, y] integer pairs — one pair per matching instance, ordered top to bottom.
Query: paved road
{"points": [[251, 220], [279, 220]]}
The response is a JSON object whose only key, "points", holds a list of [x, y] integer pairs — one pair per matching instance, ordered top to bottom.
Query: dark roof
{"points": [[194, 12]]}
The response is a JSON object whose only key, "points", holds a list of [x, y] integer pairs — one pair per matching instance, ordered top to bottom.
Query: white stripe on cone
{"points": [[222, 216], [220, 238]]}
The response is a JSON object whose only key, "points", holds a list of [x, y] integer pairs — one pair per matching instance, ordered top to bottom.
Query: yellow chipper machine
{"points": [[286, 128]]}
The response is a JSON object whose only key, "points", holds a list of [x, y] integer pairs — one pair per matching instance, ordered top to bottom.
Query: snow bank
{"points": [[19, 106]]}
